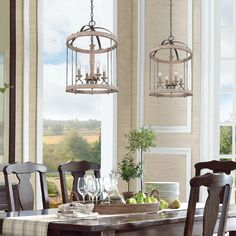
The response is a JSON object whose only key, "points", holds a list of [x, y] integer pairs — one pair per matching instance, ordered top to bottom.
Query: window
{"points": [[218, 80], [227, 88], [75, 127]]}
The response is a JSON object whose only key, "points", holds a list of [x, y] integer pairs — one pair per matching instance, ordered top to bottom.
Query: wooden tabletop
{"points": [[164, 223]]}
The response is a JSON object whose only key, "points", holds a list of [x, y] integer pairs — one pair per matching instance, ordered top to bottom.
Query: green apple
{"points": [[131, 200], [163, 204]]}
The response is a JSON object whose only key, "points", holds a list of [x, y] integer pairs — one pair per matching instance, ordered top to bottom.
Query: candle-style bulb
{"points": [[98, 67], [79, 69], [104, 71], [176, 76], [167, 80]]}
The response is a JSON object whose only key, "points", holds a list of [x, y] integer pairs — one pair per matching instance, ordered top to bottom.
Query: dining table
{"points": [[162, 223]]}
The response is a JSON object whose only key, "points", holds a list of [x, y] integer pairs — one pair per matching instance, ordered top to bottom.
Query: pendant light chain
{"points": [[92, 22], [171, 37]]}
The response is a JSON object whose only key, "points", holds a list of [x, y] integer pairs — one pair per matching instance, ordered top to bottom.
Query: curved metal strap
{"points": [[166, 42]]}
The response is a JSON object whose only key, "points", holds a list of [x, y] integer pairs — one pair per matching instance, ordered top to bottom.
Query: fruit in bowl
{"points": [[141, 198], [131, 200], [163, 204], [175, 204]]}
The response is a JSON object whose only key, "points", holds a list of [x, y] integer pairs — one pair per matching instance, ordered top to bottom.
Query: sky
{"points": [[60, 19]]}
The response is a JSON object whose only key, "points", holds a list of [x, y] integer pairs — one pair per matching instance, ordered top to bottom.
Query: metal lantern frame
{"points": [[175, 56], [94, 81]]}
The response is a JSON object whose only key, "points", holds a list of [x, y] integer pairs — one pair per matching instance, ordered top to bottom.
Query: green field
{"points": [[90, 137]]}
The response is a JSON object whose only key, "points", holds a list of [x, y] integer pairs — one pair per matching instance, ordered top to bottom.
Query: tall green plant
{"points": [[140, 140], [129, 169]]}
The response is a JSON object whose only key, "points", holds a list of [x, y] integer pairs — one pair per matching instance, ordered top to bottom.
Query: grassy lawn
{"points": [[54, 190]]}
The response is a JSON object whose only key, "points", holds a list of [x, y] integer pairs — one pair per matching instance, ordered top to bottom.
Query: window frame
{"points": [[210, 84]]}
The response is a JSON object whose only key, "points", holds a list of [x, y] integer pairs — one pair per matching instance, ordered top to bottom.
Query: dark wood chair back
{"points": [[216, 167], [77, 169], [23, 172], [214, 183]]}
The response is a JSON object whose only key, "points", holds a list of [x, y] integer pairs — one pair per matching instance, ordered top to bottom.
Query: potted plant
{"points": [[3, 89], [140, 140], [128, 170]]}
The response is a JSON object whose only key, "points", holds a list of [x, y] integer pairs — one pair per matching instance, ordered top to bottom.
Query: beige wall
{"points": [[32, 74], [158, 112]]}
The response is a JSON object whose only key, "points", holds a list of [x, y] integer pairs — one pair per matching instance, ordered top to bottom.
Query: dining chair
{"points": [[216, 167], [77, 169], [23, 172], [214, 183]]}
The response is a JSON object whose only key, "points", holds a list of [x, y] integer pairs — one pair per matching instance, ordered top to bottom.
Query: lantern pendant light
{"points": [[89, 60], [170, 67]]}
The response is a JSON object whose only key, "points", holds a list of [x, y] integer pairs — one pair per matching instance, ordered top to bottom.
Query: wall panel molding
{"points": [[187, 152]]}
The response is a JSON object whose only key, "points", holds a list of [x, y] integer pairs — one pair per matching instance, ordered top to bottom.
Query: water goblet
{"points": [[100, 185], [108, 186], [92, 187], [82, 188]]}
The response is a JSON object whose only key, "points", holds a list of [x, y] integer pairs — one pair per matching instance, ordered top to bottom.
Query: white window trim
{"points": [[209, 89], [109, 119]]}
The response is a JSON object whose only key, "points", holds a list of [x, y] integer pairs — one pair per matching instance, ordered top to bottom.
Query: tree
{"points": [[57, 129], [140, 140], [225, 140], [75, 147], [96, 151], [128, 169]]}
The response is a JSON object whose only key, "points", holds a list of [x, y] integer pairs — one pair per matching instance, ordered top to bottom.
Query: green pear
{"points": [[140, 195], [153, 199], [131, 200], [147, 200], [140, 201], [163, 204], [175, 204]]}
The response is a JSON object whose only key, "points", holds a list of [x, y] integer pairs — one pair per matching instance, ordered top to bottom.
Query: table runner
{"points": [[27, 225], [37, 225]]}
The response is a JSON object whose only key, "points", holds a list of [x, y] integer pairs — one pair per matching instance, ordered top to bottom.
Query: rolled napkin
{"points": [[76, 209]]}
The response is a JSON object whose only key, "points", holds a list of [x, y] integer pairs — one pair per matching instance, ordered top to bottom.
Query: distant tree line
{"points": [[57, 127]]}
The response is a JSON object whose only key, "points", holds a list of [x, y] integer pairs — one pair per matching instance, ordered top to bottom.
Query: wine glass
{"points": [[100, 185], [108, 186], [92, 187], [82, 188]]}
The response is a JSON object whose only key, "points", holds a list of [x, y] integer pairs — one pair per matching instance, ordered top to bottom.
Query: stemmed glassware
{"points": [[100, 185], [92, 186], [108, 186], [82, 187]]}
